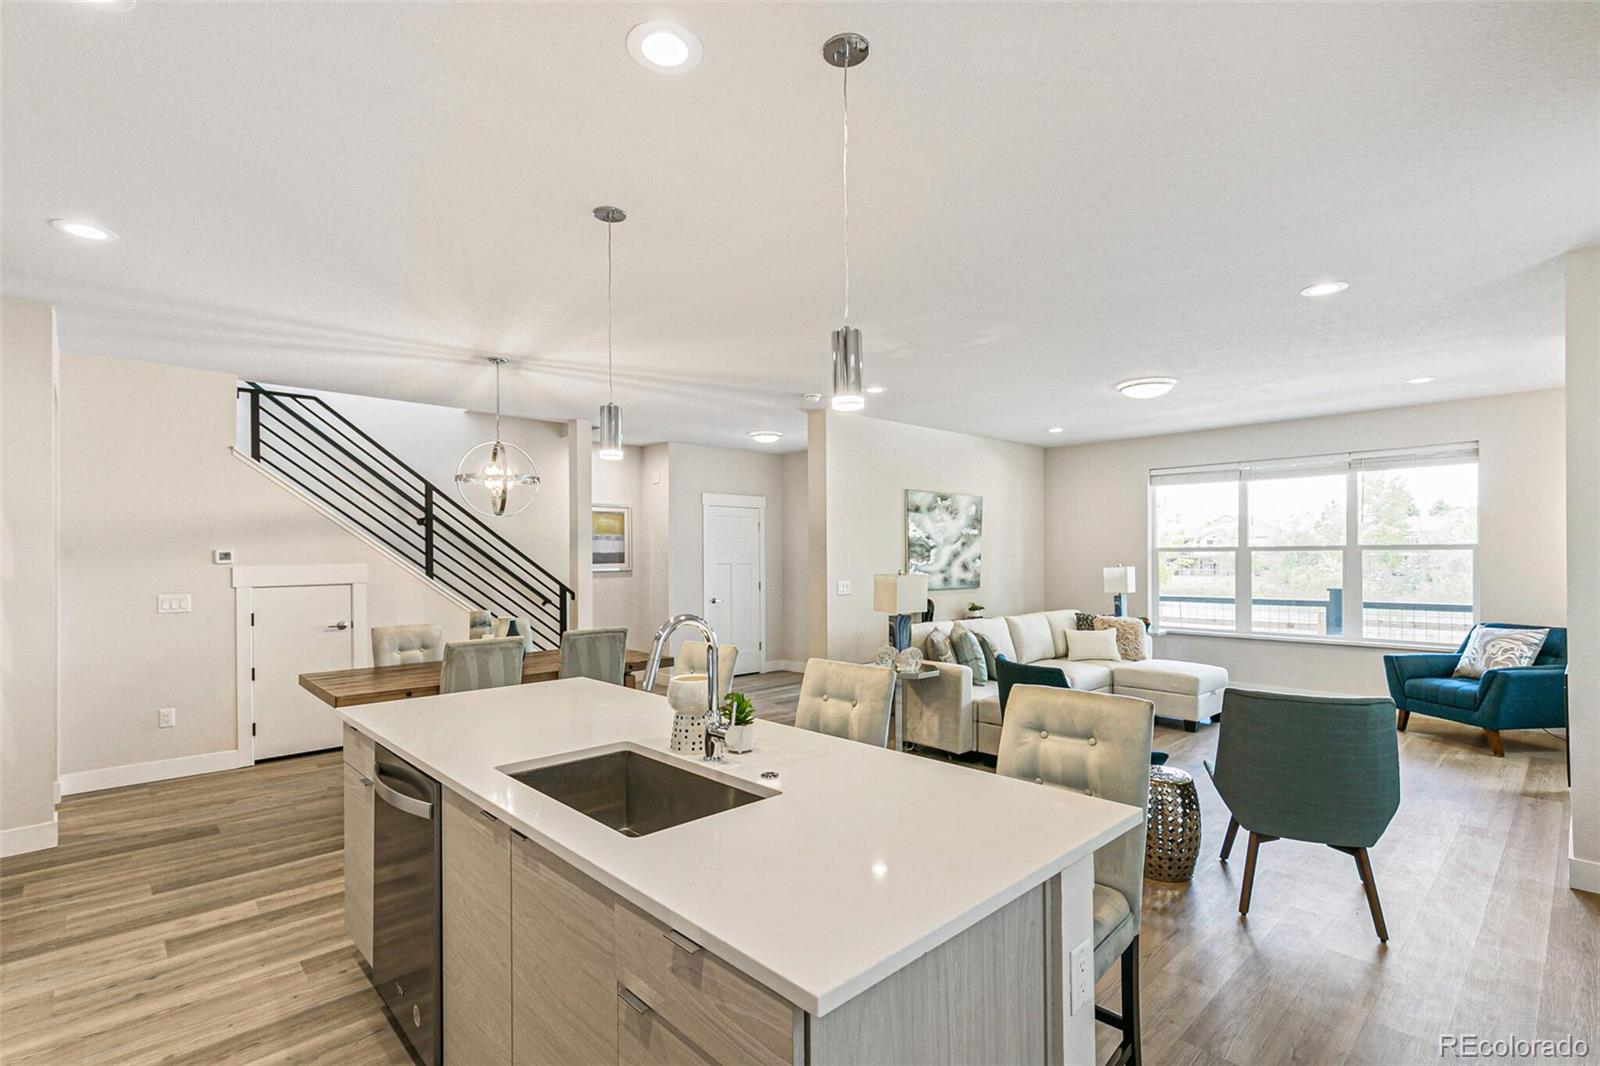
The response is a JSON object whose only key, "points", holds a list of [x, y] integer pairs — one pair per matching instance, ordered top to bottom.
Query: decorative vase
{"points": [[884, 657], [908, 661], [686, 695], [741, 739]]}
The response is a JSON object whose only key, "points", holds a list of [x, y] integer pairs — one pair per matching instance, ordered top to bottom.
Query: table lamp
{"points": [[1119, 581], [900, 596]]}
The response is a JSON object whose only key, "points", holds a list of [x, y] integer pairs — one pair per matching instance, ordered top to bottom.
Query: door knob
{"points": [[715, 599], [340, 625]]}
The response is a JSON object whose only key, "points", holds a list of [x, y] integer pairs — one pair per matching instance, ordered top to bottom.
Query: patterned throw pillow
{"points": [[1085, 621], [1130, 635], [938, 648], [1498, 649], [969, 653]]}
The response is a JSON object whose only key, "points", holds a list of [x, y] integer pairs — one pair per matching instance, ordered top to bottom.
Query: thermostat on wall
{"points": [[222, 556]]}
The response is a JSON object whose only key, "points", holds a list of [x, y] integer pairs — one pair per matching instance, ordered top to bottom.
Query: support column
{"points": [[580, 503], [1583, 561]]}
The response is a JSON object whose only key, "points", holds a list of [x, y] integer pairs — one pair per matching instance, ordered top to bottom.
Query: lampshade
{"points": [[1120, 579], [900, 593]]}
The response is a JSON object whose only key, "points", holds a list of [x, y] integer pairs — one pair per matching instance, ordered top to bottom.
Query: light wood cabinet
{"points": [[359, 751], [358, 858], [476, 883], [564, 990], [644, 1039]]}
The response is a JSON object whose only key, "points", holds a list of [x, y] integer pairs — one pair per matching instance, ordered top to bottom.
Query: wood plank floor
{"points": [[200, 921]]}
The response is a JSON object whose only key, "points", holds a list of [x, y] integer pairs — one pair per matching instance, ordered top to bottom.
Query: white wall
{"points": [[869, 465], [149, 487], [1096, 507], [1583, 560], [28, 576], [622, 598], [790, 646]]}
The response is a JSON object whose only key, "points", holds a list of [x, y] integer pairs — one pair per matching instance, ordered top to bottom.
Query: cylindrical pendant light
{"points": [[846, 50], [610, 414]]}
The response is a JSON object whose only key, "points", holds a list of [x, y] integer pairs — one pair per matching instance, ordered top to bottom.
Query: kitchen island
{"points": [[858, 905]]}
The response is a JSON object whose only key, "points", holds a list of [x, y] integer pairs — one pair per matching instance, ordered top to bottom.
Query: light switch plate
{"points": [[222, 556], [844, 588], [174, 603], [167, 717], [1082, 975]]}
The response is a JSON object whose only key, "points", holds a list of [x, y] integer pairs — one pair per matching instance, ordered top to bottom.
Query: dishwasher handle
{"points": [[401, 802]]}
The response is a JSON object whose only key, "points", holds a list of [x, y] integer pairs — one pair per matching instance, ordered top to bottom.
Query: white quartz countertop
{"points": [[863, 860]]}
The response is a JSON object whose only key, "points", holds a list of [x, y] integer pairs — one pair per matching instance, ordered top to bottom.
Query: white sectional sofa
{"points": [[952, 714]]}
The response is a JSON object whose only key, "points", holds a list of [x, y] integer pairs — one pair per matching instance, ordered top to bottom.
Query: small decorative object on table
{"points": [[975, 610], [884, 657], [908, 661], [686, 695], [742, 716], [1172, 834]]}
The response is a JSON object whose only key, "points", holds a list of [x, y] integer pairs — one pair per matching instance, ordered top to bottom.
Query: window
{"points": [[1291, 546]]}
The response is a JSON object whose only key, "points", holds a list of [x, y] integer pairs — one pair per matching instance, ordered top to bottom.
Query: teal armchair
{"points": [[1527, 697], [1320, 769]]}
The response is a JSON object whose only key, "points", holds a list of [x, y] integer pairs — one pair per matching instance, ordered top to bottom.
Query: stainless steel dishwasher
{"points": [[406, 926]]}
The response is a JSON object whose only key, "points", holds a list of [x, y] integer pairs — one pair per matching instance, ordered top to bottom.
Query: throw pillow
{"points": [[1085, 621], [1130, 635], [1093, 644], [938, 648], [1498, 649], [969, 653], [988, 658]]}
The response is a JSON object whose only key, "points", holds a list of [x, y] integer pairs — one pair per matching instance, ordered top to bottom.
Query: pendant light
{"points": [[844, 51], [610, 413], [496, 478]]}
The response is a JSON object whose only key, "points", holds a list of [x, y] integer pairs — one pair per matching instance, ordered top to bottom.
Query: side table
{"points": [[1172, 825]]}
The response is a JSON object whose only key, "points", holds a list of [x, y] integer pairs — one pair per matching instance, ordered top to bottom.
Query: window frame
{"points": [[1352, 464]]}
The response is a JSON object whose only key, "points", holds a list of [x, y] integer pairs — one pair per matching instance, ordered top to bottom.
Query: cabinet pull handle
{"points": [[366, 782], [681, 941], [632, 1000]]}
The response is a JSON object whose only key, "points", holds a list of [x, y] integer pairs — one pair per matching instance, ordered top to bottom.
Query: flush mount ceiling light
{"points": [[110, 5], [664, 47], [844, 51], [83, 229], [1325, 288], [1418, 381], [1146, 388], [876, 390], [811, 397], [610, 413], [1055, 429], [765, 436], [496, 478]]}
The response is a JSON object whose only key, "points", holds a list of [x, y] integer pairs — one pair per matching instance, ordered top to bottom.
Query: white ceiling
{"points": [[1045, 200]]}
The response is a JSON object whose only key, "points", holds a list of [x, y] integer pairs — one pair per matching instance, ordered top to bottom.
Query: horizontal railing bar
{"points": [[319, 412], [350, 455], [336, 504], [398, 511], [445, 527], [493, 577], [466, 586]]}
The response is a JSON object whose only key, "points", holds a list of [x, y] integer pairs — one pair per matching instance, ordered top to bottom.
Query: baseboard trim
{"points": [[794, 666], [143, 772], [26, 838], [1582, 874]]}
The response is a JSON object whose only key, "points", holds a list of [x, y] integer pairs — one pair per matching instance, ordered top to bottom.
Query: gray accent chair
{"points": [[401, 645], [596, 653], [691, 659], [493, 662], [846, 700], [1097, 744], [1320, 769]]}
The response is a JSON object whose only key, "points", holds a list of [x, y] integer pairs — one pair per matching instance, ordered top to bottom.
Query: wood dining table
{"points": [[378, 684]]}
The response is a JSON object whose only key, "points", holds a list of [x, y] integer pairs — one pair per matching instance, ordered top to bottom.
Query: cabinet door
{"points": [[358, 860], [477, 935], [563, 979], [643, 1039]]}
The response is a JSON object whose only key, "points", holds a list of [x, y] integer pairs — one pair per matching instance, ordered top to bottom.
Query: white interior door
{"points": [[734, 579], [297, 629]]}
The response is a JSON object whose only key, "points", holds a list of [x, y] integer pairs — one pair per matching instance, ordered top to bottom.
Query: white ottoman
{"points": [[1186, 691]]}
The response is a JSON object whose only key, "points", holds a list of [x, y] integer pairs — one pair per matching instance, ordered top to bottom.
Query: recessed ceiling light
{"points": [[110, 5], [664, 47], [83, 229], [1325, 288], [1418, 381], [1146, 388], [877, 390], [811, 397], [1056, 429], [765, 436]]}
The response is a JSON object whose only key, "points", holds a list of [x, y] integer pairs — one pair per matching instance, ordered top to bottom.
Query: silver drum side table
{"points": [[1172, 835]]}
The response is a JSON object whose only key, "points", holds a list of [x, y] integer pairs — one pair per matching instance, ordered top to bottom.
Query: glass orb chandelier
{"points": [[844, 51], [610, 413], [496, 478]]}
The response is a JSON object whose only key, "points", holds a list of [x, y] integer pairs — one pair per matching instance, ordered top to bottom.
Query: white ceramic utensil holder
{"points": [[686, 695]]}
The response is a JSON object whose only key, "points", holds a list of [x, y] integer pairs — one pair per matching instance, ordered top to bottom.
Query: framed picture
{"points": [[613, 538], [944, 538]]}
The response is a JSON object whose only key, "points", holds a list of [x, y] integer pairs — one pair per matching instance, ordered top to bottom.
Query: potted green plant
{"points": [[975, 609], [741, 714]]}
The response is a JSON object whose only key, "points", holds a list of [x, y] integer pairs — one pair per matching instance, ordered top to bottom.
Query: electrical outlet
{"points": [[844, 588], [174, 603], [168, 718], [1082, 976]]}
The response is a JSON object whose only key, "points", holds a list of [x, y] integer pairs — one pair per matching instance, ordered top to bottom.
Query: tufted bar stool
{"points": [[401, 645], [846, 700], [1098, 745]]}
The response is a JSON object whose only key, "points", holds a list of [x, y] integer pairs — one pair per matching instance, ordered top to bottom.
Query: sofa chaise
{"points": [[950, 713]]}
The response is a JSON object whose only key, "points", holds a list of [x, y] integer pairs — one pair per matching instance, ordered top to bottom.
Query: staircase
{"points": [[330, 460]]}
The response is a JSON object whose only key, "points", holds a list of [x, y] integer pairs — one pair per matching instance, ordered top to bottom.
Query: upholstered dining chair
{"points": [[399, 645], [596, 653], [691, 659], [492, 662], [1009, 674], [846, 700], [1097, 744], [1321, 769]]}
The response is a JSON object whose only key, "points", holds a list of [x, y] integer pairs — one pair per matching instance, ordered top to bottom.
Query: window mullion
{"points": [[1241, 563], [1354, 599]]}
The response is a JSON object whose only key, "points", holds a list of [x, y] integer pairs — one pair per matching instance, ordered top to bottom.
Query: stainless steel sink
{"points": [[633, 793]]}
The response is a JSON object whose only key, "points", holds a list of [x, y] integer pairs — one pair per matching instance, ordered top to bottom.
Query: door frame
{"points": [[709, 500], [246, 579]]}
